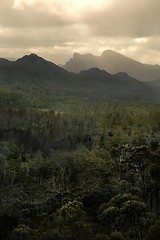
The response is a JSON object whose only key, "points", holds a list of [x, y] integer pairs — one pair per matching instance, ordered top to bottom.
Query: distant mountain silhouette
{"points": [[113, 62], [32, 70], [119, 85]]}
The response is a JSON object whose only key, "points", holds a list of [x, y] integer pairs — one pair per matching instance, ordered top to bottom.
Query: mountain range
{"points": [[113, 62], [32, 71]]}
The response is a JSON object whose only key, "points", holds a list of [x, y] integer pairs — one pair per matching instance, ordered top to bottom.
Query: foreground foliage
{"points": [[80, 170]]}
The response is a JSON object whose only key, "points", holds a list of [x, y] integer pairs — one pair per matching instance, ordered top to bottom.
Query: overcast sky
{"points": [[55, 29]]}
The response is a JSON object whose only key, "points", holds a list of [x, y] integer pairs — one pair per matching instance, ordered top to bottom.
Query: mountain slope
{"points": [[113, 62], [38, 67], [32, 71], [120, 86]]}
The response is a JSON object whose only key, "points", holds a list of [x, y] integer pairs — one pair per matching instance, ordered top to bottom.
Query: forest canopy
{"points": [[79, 169]]}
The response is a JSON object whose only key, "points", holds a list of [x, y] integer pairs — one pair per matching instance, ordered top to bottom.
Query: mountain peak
{"points": [[109, 51], [76, 54], [31, 57], [118, 57], [93, 70], [95, 73], [122, 74]]}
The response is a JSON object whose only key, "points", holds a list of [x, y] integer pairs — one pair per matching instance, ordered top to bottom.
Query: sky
{"points": [[55, 29]]}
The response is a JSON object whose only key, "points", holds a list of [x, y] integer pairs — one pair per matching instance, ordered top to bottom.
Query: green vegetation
{"points": [[73, 168]]}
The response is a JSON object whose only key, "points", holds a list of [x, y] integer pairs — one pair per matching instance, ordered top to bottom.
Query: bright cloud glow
{"points": [[19, 4], [71, 4], [58, 28], [141, 40]]}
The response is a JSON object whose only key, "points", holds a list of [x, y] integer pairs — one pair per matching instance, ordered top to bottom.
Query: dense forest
{"points": [[73, 168]]}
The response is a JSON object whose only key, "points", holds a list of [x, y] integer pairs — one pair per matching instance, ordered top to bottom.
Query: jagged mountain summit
{"points": [[113, 62], [32, 70]]}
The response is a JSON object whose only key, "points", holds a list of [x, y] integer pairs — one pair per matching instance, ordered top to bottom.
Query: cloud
{"points": [[39, 14], [121, 18], [57, 28]]}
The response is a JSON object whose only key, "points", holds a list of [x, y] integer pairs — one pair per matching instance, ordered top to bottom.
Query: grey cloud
{"points": [[32, 16], [132, 18], [55, 32], [44, 37]]}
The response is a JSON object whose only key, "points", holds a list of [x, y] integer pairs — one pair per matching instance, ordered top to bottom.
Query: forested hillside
{"points": [[33, 77], [79, 154], [83, 169]]}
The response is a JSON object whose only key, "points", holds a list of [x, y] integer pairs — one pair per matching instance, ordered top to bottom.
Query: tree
{"points": [[23, 232]]}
